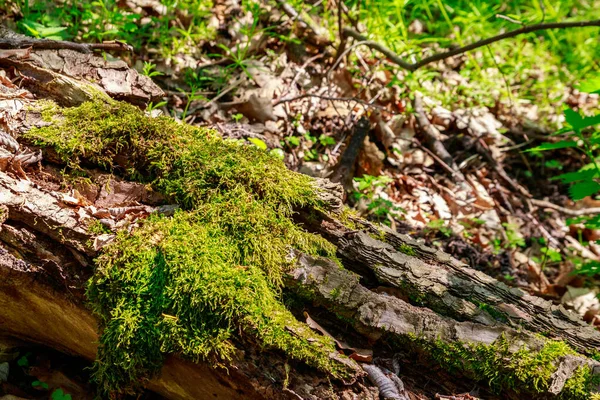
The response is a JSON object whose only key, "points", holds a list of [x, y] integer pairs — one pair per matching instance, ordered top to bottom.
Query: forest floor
{"points": [[292, 87]]}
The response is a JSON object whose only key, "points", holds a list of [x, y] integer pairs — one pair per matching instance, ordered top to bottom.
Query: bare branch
{"points": [[12, 40], [480, 43], [329, 98], [567, 211]]}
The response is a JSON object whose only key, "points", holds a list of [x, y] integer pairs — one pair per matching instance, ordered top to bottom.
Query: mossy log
{"points": [[213, 291]]}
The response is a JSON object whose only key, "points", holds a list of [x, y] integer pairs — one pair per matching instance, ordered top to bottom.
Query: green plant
{"points": [[100, 20], [43, 32], [148, 70], [195, 81], [151, 106], [581, 136], [293, 141], [369, 189], [438, 225], [513, 235], [23, 361], [40, 385], [59, 394]]}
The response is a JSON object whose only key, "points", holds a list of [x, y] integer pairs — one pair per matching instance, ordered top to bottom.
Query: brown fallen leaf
{"points": [[257, 109], [362, 355]]}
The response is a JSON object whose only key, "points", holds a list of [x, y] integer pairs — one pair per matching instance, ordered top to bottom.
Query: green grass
{"points": [[179, 30], [538, 67]]}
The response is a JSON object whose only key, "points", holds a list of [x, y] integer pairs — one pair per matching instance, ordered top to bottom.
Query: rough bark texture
{"points": [[425, 299]]}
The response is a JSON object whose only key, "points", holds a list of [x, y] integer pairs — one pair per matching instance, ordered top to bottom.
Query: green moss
{"points": [[187, 163], [347, 217], [97, 228], [380, 235], [407, 249], [188, 284], [335, 293], [492, 311], [502, 368], [577, 387]]}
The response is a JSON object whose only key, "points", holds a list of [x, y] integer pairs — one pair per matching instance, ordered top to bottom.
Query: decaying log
{"points": [[63, 73], [449, 287], [425, 302]]}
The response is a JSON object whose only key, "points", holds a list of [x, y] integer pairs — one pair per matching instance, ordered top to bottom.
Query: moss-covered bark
{"points": [[187, 284], [190, 284]]}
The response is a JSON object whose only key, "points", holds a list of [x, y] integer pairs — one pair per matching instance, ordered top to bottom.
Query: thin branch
{"points": [[304, 21], [12, 40], [480, 43], [395, 58], [329, 98], [567, 211]]}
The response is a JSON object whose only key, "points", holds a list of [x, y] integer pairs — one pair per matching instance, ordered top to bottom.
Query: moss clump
{"points": [[185, 162], [407, 249], [187, 284], [492, 311], [523, 370]]}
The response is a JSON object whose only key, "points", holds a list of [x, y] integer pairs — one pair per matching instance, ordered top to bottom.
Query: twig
{"points": [[507, 18], [305, 23], [12, 40], [480, 43], [379, 47], [340, 57], [300, 70], [329, 98], [432, 140], [482, 148], [435, 157], [567, 211]]}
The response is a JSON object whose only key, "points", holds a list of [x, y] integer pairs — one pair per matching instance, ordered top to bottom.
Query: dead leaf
{"points": [[257, 109], [103, 240], [581, 299]]}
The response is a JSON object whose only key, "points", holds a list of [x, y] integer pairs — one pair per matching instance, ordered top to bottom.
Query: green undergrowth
{"points": [[190, 284], [499, 365]]}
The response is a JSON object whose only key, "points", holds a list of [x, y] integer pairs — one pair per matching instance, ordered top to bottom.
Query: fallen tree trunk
{"points": [[62, 237]]}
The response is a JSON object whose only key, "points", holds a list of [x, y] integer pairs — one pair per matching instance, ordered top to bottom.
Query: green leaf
{"points": [[46, 32], [590, 86], [578, 122], [293, 140], [326, 140], [258, 143], [553, 146], [278, 153], [554, 164], [585, 173], [583, 189], [552, 254], [23, 361], [39, 384], [59, 394]]}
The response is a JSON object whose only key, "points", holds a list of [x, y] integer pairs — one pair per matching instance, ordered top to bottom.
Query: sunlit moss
{"points": [[188, 283], [524, 371]]}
